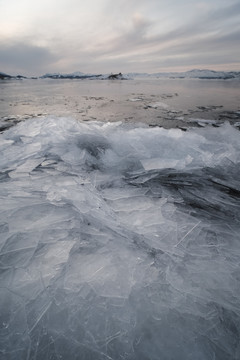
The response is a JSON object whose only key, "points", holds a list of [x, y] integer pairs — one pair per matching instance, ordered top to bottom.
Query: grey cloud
{"points": [[226, 12], [214, 20], [202, 26], [135, 37], [201, 40], [189, 44], [211, 45], [204, 52], [20, 56], [194, 60], [171, 62]]}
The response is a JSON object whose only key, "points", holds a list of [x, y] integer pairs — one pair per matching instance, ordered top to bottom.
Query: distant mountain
{"points": [[192, 74], [75, 75], [80, 75]]}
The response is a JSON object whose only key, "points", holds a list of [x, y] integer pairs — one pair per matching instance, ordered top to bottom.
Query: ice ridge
{"points": [[119, 242]]}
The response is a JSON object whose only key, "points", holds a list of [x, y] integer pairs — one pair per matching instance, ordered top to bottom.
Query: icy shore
{"points": [[191, 74], [119, 241]]}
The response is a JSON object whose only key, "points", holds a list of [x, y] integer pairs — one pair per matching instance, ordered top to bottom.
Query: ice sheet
{"points": [[119, 241]]}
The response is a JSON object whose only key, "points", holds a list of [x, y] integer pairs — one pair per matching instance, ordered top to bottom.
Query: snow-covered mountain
{"points": [[192, 74], [74, 75], [80, 75]]}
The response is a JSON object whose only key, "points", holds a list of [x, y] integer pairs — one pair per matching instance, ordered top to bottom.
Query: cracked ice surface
{"points": [[119, 242]]}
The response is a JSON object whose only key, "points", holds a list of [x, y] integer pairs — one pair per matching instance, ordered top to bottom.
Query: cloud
{"points": [[226, 12], [132, 35], [99, 36], [205, 38], [21, 56]]}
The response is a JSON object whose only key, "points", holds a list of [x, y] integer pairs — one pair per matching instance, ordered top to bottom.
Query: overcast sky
{"points": [[103, 36]]}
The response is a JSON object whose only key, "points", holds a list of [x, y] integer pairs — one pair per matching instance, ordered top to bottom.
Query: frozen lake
{"points": [[164, 102], [119, 240]]}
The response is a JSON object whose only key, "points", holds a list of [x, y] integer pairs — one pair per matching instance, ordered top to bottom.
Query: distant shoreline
{"points": [[192, 74]]}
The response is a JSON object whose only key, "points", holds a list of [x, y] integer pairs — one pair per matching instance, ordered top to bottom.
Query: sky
{"points": [[103, 36]]}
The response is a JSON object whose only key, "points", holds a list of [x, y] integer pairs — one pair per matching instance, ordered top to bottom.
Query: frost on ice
{"points": [[119, 242]]}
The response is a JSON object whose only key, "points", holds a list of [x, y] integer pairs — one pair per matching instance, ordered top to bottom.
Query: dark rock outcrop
{"points": [[4, 76], [116, 77]]}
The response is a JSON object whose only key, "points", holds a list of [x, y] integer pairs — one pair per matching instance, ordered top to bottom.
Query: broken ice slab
{"points": [[135, 99], [157, 105], [202, 122], [237, 124], [5, 142], [16, 154], [160, 163], [152, 164], [26, 167], [117, 193], [132, 203], [38, 216], [106, 252], [16, 258], [51, 258], [107, 273], [36, 309], [12, 319]]}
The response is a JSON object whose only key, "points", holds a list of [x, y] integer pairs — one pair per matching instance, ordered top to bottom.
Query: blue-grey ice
{"points": [[119, 242]]}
